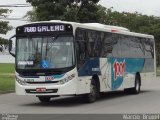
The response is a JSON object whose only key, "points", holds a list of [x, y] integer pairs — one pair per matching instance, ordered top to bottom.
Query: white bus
{"points": [[55, 58]]}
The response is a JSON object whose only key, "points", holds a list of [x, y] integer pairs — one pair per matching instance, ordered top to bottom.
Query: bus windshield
{"points": [[45, 52]]}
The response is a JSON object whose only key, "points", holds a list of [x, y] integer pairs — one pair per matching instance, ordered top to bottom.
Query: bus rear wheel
{"points": [[137, 87], [44, 99]]}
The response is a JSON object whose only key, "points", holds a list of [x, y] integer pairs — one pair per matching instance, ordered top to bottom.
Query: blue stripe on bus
{"points": [[90, 67], [131, 67]]}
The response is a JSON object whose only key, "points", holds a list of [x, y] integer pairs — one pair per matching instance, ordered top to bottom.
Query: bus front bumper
{"points": [[68, 88]]}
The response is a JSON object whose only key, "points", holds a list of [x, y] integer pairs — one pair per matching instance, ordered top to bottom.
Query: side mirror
{"points": [[10, 46]]}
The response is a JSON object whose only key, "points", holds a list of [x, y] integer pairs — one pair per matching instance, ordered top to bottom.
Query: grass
{"points": [[6, 68], [7, 79], [7, 83]]}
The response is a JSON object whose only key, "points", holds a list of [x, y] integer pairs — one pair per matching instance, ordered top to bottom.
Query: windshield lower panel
{"points": [[45, 53]]}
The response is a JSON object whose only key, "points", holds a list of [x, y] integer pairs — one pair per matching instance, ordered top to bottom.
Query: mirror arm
{"points": [[12, 37], [11, 45], [12, 54]]}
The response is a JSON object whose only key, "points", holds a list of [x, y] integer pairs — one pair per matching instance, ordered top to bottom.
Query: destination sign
{"points": [[43, 28]]}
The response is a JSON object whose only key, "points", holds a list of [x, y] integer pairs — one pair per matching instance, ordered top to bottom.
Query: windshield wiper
{"points": [[53, 40], [47, 47]]}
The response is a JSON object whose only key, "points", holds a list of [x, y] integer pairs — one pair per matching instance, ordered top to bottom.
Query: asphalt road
{"points": [[148, 101]]}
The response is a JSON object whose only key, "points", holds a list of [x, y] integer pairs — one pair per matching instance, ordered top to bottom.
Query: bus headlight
{"points": [[67, 79], [21, 82]]}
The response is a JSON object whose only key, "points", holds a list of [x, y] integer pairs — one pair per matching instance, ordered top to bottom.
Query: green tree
{"points": [[70, 10], [31, 15], [4, 28]]}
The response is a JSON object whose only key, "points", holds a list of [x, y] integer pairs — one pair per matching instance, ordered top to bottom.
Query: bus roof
{"points": [[99, 27]]}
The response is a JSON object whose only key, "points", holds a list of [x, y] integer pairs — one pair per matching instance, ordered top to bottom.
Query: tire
{"points": [[137, 87], [91, 97], [44, 99]]}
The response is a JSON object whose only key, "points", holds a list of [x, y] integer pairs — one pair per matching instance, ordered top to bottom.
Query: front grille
{"points": [[46, 82], [47, 91]]}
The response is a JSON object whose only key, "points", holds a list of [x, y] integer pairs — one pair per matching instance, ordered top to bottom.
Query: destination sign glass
{"points": [[43, 28]]}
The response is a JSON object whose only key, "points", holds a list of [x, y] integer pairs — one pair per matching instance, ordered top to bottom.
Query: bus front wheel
{"points": [[91, 97]]}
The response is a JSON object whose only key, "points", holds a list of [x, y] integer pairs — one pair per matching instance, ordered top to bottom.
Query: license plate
{"points": [[40, 89]]}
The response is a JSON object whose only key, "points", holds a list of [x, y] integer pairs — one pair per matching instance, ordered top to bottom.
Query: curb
{"points": [[9, 74], [5, 92]]}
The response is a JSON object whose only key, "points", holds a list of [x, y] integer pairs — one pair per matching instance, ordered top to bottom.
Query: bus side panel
{"points": [[133, 66], [119, 73], [105, 78], [110, 80], [84, 84]]}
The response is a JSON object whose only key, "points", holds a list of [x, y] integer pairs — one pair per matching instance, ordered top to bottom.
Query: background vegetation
{"points": [[4, 28]]}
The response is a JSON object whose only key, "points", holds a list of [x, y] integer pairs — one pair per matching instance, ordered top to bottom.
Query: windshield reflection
{"points": [[45, 52]]}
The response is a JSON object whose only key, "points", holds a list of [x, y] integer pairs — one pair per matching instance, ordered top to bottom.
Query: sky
{"points": [[149, 7], [17, 12]]}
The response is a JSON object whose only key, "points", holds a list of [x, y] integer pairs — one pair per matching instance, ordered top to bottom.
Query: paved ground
{"points": [[148, 101]]}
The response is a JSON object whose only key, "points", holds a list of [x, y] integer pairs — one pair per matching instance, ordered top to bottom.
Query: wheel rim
{"points": [[137, 86], [92, 92]]}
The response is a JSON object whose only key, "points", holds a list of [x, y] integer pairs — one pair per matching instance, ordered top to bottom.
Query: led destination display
{"points": [[43, 28]]}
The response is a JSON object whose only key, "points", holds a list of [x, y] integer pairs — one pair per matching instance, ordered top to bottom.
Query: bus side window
{"points": [[90, 43], [94, 43], [101, 45], [116, 46], [125, 46], [80, 47], [108, 47], [133, 47], [152, 47], [141, 49], [149, 51], [149, 54]]}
